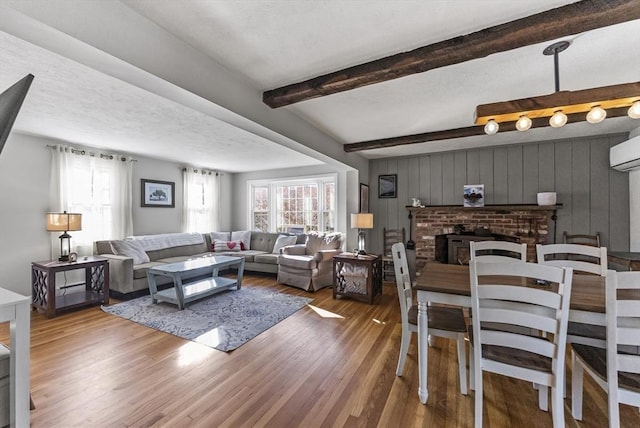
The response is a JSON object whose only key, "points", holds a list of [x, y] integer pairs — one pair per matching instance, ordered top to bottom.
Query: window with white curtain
{"points": [[98, 186], [200, 200], [294, 205]]}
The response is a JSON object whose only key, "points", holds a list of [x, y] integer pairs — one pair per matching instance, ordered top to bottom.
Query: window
{"points": [[98, 186], [200, 200], [294, 206]]}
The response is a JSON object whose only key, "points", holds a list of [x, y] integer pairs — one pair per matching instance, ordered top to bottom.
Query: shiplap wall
{"points": [[594, 197]]}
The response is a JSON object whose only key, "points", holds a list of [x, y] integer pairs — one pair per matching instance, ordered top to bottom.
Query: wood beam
{"points": [[563, 21], [469, 131]]}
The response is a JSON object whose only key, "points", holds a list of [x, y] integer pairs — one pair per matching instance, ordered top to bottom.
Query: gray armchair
{"points": [[310, 266]]}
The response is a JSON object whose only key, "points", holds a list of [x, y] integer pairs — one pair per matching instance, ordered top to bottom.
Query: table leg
{"points": [[240, 274], [177, 283], [153, 287], [423, 350], [19, 366]]}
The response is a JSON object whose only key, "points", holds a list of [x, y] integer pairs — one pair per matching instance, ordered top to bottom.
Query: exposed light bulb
{"points": [[634, 110], [596, 115], [558, 120], [523, 123], [491, 127]]}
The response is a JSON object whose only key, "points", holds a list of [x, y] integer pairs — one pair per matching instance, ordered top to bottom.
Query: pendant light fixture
{"points": [[561, 106]]}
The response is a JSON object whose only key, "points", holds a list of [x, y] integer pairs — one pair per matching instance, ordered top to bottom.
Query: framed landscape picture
{"points": [[387, 186], [157, 193], [364, 198]]}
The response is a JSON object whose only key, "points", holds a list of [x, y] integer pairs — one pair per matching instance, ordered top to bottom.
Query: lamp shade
{"points": [[362, 221], [63, 222]]}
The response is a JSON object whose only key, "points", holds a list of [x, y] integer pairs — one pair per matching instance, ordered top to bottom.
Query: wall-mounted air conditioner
{"points": [[625, 156]]}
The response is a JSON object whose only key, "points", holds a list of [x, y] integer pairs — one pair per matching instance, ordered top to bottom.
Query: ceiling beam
{"points": [[563, 21], [469, 131]]}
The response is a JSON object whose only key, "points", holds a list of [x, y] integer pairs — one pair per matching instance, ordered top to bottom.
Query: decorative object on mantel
{"points": [[558, 105], [473, 195], [546, 198], [415, 202], [64, 222]]}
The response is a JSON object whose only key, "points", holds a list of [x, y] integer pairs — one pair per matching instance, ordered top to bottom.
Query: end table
{"points": [[357, 277], [43, 284]]}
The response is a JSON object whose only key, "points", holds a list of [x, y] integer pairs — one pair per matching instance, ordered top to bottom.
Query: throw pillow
{"points": [[244, 236], [283, 241], [220, 246], [130, 248]]}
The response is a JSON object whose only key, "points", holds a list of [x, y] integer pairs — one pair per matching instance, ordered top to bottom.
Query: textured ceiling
{"points": [[277, 42]]}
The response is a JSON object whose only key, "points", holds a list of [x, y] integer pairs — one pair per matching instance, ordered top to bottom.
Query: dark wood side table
{"points": [[357, 277], [43, 285]]}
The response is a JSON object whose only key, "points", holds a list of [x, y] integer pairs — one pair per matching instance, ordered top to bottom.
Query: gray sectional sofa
{"points": [[128, 271]]}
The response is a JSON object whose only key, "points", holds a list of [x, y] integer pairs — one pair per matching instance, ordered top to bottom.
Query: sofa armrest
{"points": [[294, 250], [324, 255], [120, 272]]}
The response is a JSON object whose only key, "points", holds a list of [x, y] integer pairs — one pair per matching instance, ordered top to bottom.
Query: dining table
{"points": [[450, 284]]}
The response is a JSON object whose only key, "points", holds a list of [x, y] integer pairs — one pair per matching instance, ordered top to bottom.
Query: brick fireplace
{"points": [[530, 224]]}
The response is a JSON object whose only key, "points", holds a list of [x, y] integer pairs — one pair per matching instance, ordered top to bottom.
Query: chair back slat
{"points": [[498, 251], [403, 279], [521, 294], [628, 308], [520, 318], [628, 336], [507, 339], [629, 363]]}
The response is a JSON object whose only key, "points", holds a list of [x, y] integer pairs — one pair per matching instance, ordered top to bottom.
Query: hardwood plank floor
{"points": [[331, 364]]}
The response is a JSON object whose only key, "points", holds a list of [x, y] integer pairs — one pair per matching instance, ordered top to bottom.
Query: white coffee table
{"points": [[189, 290]]}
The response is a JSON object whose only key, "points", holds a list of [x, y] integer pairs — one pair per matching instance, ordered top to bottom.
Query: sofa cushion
{"points": [[221, 236], [244, 236], [283, 241], [321, 241], [226, 246], [130, 248], [266, 258], [176, 259], [299, 262], [140, 271]]}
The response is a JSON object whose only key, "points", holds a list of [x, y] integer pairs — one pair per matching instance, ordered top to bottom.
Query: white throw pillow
{"points": [[244, 236], [283, 241], [220, 246], [130, 248]]}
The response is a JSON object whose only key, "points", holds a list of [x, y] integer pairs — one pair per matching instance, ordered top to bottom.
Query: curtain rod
{"points": [[84, 152], [202, 170]]}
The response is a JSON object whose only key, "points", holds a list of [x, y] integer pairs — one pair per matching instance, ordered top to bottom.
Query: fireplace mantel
{"points": [[526, 223]]}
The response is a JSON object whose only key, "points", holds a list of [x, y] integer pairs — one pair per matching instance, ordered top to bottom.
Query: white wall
{"points": [[24, 186]]}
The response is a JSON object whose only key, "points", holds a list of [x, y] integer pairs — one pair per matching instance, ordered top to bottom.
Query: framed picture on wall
{"points": [[387, 186], [160, 194], [364, 198]]}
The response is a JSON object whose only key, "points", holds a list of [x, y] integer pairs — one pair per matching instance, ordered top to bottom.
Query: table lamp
{"points": [[361, 221], [64, 222]]}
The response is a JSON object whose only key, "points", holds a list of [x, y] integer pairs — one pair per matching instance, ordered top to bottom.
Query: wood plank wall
{"points": [[595, 198]]}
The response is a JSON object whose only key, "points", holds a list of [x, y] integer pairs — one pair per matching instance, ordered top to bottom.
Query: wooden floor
{"points": [[331, 364]]}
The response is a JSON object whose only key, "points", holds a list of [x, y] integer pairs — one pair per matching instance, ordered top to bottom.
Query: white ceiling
{"points": [[277, 42]]}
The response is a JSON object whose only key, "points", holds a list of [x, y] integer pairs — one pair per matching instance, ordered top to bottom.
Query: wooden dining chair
{"points": [[390, 237], [582, 239], [498, 251], [444, 322], [531, 358], [616, 369]]}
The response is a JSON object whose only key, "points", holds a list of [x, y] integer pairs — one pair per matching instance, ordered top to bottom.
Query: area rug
{"points": [[224, 321]]}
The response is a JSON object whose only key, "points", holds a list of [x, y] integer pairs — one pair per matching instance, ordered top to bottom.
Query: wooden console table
{"points": [[357, 277], [43, 284]]}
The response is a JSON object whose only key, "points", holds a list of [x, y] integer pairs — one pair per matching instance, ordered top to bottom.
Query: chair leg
{"points": [[404, 349], [462, 364], [577, 372], [472, 376], [543, 397], [478, 398], [557, 406], [614, 411]]}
